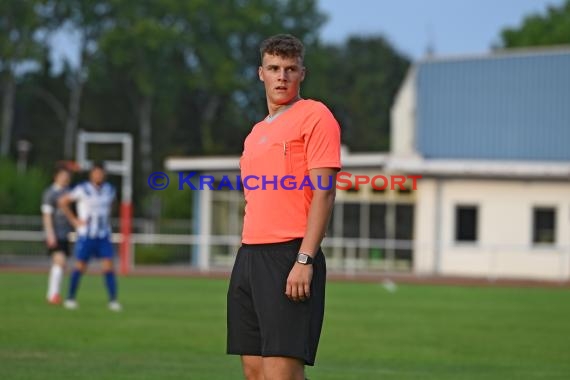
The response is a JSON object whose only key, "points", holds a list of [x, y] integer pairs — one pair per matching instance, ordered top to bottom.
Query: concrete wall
{"points": [[403, 118], [504, 247]]}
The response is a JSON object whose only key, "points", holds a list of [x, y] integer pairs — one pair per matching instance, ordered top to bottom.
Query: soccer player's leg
{"points": [[83, 248], [106, 253], [58, 255], [55, 276], [290, 330], [243, 336], [252, 367], [283, 368]]}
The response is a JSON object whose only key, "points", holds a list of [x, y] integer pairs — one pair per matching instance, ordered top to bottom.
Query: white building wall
{"points": [[403, 118], [505, 215], [425, 230]]}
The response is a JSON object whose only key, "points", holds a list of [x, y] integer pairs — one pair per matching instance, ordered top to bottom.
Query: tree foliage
{"points": [[21, 24], [552, 28], [181, 76], [358, 80], [21, 194]]}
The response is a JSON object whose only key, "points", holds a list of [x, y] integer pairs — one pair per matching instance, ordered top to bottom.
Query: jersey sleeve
{"points": [[322, 139], [77, 192]]}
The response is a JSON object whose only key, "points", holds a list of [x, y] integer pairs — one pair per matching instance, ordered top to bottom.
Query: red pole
{"points": [[125, 247]]}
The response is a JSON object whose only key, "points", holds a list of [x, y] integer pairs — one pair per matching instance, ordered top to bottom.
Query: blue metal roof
{"points": [[510, 106]]}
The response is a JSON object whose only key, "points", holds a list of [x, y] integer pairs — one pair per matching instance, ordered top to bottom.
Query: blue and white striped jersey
{"points": [[94, 208]]}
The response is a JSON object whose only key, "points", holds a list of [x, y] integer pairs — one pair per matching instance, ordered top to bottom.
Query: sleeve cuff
{"points": [[330, 164], [47, 209]]}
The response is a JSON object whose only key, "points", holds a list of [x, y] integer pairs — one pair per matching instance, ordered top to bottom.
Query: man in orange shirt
{"points": [[277, 288]]}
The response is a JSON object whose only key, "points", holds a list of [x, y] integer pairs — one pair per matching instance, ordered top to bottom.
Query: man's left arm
{"points": [[298, 286]]}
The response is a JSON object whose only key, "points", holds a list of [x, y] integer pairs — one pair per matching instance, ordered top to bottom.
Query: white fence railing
{"points": [[347, 255]]}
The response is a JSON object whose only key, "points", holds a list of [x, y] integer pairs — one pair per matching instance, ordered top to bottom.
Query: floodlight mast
{"points": [[124, 168]]}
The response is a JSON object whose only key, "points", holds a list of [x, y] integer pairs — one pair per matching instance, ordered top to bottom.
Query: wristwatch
{"points": [[303, 258]]}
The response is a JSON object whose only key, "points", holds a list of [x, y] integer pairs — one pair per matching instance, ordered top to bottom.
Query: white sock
{"points": [[55, 275]]}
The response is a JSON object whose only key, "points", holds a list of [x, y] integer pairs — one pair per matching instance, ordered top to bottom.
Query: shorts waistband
{"points": [[284, 244]]}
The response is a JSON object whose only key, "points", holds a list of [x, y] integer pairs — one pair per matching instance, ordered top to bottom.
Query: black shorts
{"points": [[61, 246], [262, 321]]}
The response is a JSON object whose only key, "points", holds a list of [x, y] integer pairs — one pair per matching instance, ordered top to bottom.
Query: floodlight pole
{"points": [[124, 168]]}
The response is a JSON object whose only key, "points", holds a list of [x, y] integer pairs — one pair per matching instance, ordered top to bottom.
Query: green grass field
{"points": [[174, 328]]}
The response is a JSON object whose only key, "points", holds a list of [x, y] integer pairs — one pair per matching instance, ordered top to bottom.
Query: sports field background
{"points": [[174, 328]]}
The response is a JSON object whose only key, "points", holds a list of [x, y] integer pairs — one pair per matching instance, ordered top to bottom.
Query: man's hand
{"points": [[64, 203], [77, 223], [51, 241], [299, 282]]}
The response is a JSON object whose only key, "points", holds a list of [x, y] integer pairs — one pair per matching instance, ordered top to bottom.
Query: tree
{"points": [[88, 19], [20, 24], [552, 28], [142, 47], [204, 51], [180, 75], [358, 80], [225, 81]]}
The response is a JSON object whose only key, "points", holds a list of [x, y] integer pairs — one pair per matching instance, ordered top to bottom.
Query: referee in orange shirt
{"points": [[276, 296]]}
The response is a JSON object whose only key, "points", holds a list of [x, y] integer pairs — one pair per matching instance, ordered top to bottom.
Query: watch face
{"points": [[302, 259]]}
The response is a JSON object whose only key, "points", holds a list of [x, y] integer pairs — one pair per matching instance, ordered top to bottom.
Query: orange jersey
{"points": [[303, 137]]}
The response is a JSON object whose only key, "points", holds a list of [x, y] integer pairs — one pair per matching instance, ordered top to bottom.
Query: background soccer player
{"points": [[92, 223], [56, 229], [277, 289]]}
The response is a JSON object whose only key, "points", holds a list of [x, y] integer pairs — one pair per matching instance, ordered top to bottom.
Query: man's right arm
{"points": [[64, 203], [47, 221], [48, 229]]}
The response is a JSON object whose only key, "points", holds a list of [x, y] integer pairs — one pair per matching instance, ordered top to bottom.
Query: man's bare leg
{"points": [[56, 274], [252, 367], [283, 368]]}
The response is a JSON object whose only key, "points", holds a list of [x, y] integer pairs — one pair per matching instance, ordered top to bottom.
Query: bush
{"points": [[21, 193], [169, 203], [161, 254]]}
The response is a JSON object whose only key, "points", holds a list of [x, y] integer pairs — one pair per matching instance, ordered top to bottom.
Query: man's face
{"points": [[282, 78], [97, 176], [63, 178]]}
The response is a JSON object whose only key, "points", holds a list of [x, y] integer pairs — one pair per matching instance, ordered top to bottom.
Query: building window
{"points": [[351, 222], [404, 222], [466, 223], [377, 225], [544, 225]]}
